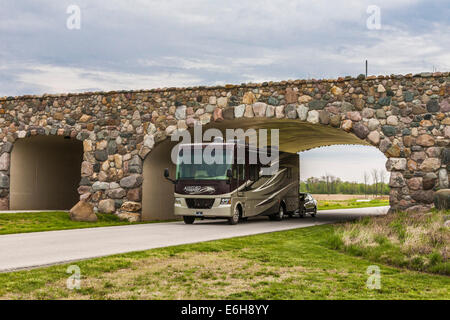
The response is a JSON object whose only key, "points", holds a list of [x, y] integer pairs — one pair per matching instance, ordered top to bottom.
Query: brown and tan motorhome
{"points": [[237, 187]]}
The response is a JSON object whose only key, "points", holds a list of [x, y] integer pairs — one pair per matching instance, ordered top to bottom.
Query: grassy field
{"points": [[347, 196], [349, 204], [47, 221], [418, 241], [296, 264]]}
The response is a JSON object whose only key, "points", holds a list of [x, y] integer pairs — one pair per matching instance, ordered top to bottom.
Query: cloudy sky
{"points": [[137, 44]]}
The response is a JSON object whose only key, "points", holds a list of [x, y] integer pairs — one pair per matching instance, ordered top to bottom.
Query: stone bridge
{"points": [[109, 148]]}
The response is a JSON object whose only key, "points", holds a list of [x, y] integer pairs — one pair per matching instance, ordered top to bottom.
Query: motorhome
{"points": [[231, 184]]}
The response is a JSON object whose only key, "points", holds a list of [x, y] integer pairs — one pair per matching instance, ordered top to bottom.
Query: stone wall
{"points": [[406, 117]]}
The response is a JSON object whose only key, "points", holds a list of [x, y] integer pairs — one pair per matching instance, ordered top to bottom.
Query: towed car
{"points": [[307, 205]]}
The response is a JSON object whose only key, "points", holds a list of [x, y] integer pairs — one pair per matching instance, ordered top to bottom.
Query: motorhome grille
{"points": [[200, 203]]}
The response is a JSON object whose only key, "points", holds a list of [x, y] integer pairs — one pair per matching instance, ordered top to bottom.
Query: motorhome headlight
{"points": [[178, 201], [225, 201]]}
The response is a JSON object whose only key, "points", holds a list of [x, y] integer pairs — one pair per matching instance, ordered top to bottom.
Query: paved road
{"points": [[29, 250]]}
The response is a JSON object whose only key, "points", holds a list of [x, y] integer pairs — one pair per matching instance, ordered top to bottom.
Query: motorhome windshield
{"points": [[201, 164]]}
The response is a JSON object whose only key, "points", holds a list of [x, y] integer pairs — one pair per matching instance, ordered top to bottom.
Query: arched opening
{"points": [[295, 136], [45, 172], [343, 173], [157, 192]]}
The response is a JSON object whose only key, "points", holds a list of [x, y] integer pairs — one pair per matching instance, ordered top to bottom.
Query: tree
{"points": [[327, 177], [382, 178], [375, 180], [366, 181], [329, 184]]}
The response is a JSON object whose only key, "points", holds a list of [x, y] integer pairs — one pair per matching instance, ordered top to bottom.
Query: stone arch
{"points": [[407, 117], [412, 133], [295, 136], [44, 172], [157, 193]]}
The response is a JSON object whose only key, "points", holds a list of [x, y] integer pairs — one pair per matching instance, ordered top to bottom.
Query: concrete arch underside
{"points": [[294, 136], [45, 172]]}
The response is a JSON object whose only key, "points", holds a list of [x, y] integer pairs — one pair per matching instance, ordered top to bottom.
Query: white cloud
{"points": [[154, 43], [55, 79]]}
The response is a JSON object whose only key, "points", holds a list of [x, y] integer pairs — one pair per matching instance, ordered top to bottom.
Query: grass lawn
{"points": [[349, 204], [47, 221], [418, 241], [295, 264]]}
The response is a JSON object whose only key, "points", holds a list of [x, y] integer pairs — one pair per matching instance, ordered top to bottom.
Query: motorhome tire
{"points": [[302, 213], [280, 214], [313, 214], [236, 216], [188, 219]]}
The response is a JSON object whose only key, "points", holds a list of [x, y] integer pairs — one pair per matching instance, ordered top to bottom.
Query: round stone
{"points": [[222, 102], [433, 106], [259, 109], [239, 111], [291, 111], [302, 111], [368, 113], [313, 116], [354, 116], [392, 120], [373, 124], [360, 130], [389, 131], [374, 137], [425, 140], [396, 164], [430, 164], [397, 180], [132, 181], [414, 183], [118, 193], [423, 196], [107, 206], [131, 206]]}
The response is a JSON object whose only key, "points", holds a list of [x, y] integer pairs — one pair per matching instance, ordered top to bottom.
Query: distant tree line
{"points": [[375, 183]]}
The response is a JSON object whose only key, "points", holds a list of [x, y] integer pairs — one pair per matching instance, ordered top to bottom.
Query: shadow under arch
{"points": [[295, 136], [45, 173], [157, 192]]}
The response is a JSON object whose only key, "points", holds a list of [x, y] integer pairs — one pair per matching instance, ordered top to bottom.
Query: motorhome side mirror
{"points": [[167, 174]]}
